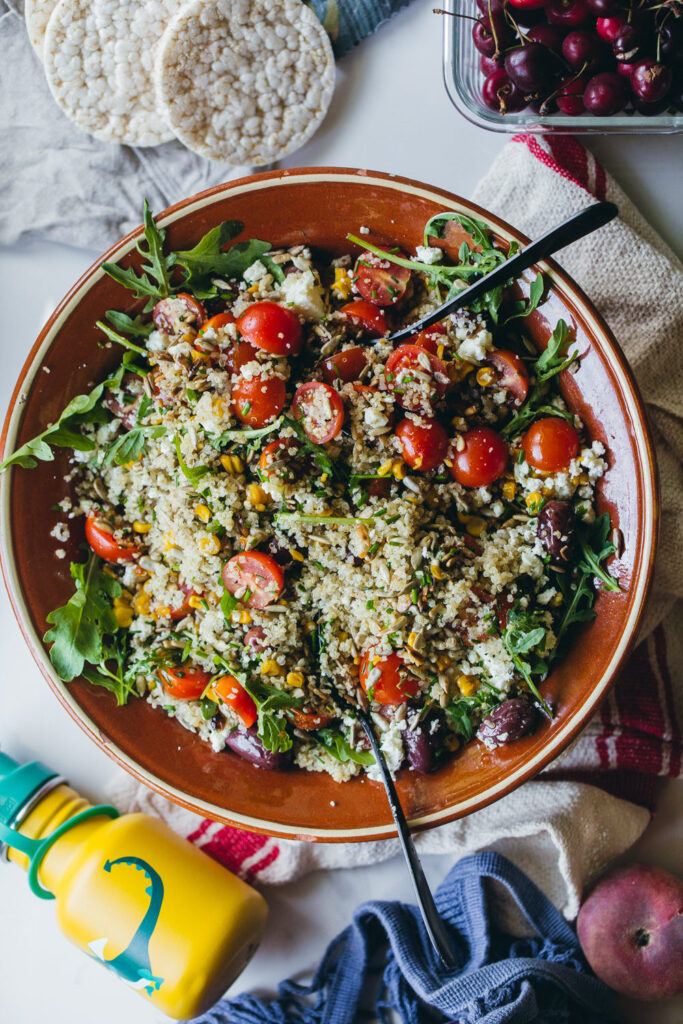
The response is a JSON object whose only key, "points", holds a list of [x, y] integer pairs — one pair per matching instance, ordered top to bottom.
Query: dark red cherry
{"points": [[495, 6], [604, 8], [568, 14], [607, 28], [547, 35], [483, 39], [627, 43], [669, 44], [583, 49], [487, 65], [530, 67], [625, 69], [650, 80], [605, 94], [502, 95], [570, 98], [651, 109]]}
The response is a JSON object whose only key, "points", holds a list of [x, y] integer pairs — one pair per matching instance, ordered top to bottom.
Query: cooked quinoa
{"points": [[386, 571]]}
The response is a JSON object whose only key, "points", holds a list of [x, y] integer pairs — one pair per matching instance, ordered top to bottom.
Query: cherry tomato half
{"points": [[380, 281], [169, 315], [367, 316], [216, 322], [272, 327], [430, 338], [239, 355], [344, 366], [511, 374], [415, 377], [259, 400], [320, 409], [424, 444], [550, 444], [280, 459], [482, 460], [105, 544], [253, 577], [387, 681], [187, 682], [232, 693], [307, 721]]}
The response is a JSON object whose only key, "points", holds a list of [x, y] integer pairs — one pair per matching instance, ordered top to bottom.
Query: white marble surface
{"points": [[390, 112]]}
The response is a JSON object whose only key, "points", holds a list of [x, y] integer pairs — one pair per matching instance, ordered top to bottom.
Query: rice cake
{"points": [[37, 14], [98, 58], [245, 82]]}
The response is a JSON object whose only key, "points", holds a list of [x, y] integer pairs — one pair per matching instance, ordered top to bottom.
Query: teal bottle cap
{"points": [[18, 784]]}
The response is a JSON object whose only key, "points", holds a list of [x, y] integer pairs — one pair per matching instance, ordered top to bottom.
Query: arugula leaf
{"points": [[208, 260], [273, 268], [153, 280], [522, 308], [124, 324], [119, 339], [554, 359], [550, 362], [62, 434], [243, 436], [131, 445], [316, 451], [193, 474], [595, 548], [228, 603], [80, 627], [524, 636], [118, 680], [459, 713], [271, 725], [340, 748]]}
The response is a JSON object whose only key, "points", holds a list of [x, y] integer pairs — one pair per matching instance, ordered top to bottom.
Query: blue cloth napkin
{"points": [[348, 21], [498, 980]]}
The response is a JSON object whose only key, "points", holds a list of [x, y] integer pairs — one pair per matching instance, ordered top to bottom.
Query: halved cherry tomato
{"points": [[380, 281], [171, 314], [367, 316], [216, 322], [272, 327], [430, 338], [239, 355], [345, 366], [512, 374], [415, 377], [259, 400], [320, 409], [424, 444], [550, 444], [281, 459], [482, 460], [106, 545], [253, 577], [184, 608], [186, 682], [393, 685], [232, 693], [307, 721]]}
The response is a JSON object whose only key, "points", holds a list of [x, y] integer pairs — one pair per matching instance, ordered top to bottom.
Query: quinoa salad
{"points": [[287, 516]]}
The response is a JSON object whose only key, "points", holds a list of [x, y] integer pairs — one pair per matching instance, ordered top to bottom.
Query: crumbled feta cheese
{"points": [[428, 254], [304, 295], [474, 349]]}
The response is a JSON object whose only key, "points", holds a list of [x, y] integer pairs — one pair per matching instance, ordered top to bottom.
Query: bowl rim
{"points": [[649, 527]]}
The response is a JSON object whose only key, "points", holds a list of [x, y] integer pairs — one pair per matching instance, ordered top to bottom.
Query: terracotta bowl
{"points": [[318, 207]]}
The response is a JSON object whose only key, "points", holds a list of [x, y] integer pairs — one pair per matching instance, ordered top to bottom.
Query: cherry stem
{"points": [[454, 14], [543, 109]]}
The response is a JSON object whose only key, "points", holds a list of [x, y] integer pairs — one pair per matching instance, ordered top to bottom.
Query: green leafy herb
{"points": [[208, 260], [273, 268], [152, 282], [522, 308], [121, 322], [119, 339], [551, 362], [243, 436], [129, 447], [316, 451], [192, 473], [302, 517], [595, 549], [578, 590], [228, 604], [525, 641], [271, 725], [341, 749]]}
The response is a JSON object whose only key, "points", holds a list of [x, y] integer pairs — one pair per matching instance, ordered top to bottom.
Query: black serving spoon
{"points": [[570, 230], [430, 915]]}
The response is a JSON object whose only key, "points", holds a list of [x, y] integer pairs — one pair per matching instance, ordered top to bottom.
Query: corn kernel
{"points": [[342, 283], [252, 289], [440, 351], [199, 357], [485, 376], [220, 406], [232, 463], [386, 468], [398, 468], [584, 479], [509, 490], [256, 495], [533, 500], [202, 512], [475, 526], [141, 527], [168, 541], [210, 545], [295, 555], [437, 572], [556, 600], [195, 601], [141, 603], [123, 612], [161, 612], [244, 617], [310, 627], [412, 639], [356, 660], [442, 662], [269, 667], [295, 679], [468, 685], [451, 742]]}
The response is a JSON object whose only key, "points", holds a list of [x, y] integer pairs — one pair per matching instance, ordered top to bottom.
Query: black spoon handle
{"points": [[571, 230], [430, 915]]}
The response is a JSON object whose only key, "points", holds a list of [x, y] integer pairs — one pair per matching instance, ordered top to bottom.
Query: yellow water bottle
{"points": [[172, 923]]}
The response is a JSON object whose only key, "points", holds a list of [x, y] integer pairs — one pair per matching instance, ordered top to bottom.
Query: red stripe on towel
{"points": [[535, 148], [231, 846]]}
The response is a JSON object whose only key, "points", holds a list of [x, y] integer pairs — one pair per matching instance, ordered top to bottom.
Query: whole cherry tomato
{"points": [[379, 280], [180, 310], [367, 316], [216, 322], [272, 327], [431, 338], [239, 355], [345, 366], [511, 374], [415, 377], [259, 400], [320, 409], [424, 444], [550, 444], [281, 459], [482, 460], [104, 544], [254, 578], [387, 681], [186, 682], [232, 693], [308, 721]]}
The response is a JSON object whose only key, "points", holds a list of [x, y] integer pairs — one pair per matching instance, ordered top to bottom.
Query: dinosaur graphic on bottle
{"points": [[133, 964]]}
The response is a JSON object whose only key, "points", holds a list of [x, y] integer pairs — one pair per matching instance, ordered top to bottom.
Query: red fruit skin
{"points": [[608, 28], [631, 931]]}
